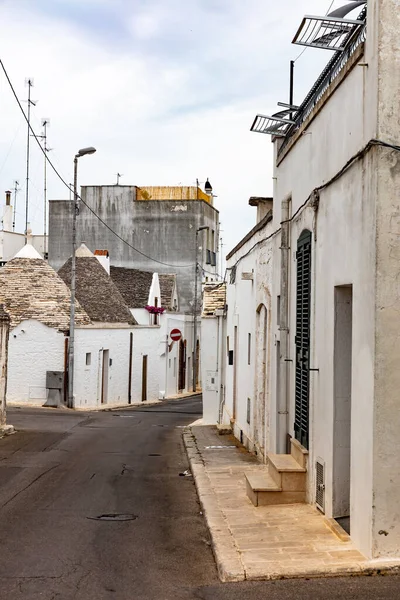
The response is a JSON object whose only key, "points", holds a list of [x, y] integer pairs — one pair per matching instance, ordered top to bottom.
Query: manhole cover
{"points": [[114, 517]]}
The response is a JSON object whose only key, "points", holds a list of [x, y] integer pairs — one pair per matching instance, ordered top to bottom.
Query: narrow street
{"points": [[63, 470]]}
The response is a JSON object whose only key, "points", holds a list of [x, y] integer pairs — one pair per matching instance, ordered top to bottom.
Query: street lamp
{"points": [[75, 213], [195, 309]]}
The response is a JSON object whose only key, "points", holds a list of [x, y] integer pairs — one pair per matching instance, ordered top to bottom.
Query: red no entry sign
{"points": [[175, 335]]}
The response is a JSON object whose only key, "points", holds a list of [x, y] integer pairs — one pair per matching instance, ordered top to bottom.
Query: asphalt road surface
{"points": [[67, 481]]}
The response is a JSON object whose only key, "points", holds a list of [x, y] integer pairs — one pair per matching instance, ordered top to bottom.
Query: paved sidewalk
{"points": [[267, 542]]}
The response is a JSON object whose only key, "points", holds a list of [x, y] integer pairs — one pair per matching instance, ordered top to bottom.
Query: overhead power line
{"points": [[160, 262]]}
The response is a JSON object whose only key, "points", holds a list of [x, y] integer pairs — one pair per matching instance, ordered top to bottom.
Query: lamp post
{"points": [[75, 213], [195, 309]]}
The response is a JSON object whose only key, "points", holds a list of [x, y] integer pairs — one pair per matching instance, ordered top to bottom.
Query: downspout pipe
{"points": [[283, 400]]}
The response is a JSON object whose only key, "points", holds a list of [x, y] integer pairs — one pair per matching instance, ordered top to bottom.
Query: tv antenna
{"points": [[29, 83], [16, 190]]}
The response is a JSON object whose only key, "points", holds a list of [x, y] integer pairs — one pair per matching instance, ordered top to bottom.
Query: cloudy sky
{"points": [[166, 90]]}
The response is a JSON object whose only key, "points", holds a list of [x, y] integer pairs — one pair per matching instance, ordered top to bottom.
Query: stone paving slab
{"points": [[266, 542]]}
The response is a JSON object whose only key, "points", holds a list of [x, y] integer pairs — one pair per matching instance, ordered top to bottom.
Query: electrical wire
{"points": [[302, 52], [359, 155], [69, 187]]}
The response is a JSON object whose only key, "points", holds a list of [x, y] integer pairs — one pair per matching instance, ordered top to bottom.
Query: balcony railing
{"points": [[328, 75]]}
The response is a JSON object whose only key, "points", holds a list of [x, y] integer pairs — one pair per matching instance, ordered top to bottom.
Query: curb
{"points": [[6, 430], [227, 557]]}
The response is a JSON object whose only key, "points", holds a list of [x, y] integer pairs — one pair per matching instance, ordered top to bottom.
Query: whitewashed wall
{"points": [[353, 231], [247, 300], [146, 341], [34, 349], [213, 361], [88, 378]]}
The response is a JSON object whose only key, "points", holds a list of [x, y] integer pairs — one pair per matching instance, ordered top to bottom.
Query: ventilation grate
{"points": [[320, 485]]}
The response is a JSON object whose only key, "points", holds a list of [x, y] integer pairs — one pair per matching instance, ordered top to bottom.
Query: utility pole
{"points": [[29, 83], [16, 190], [195, 357]]}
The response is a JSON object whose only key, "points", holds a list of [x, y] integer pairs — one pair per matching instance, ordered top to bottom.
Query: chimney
{"points": [[8, 213], [29, 235]]}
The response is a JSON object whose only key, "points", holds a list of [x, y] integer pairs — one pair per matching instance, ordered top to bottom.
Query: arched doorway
{"points": [[261, 375]]}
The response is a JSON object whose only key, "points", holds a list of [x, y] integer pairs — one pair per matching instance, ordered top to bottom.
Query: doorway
{"points": [[303, 313], [235, 345], [342, 365], [182, 366], [104, 376], [144, 378]]}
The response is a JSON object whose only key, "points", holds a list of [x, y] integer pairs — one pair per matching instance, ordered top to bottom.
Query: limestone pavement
{"points": [[266, 542]]}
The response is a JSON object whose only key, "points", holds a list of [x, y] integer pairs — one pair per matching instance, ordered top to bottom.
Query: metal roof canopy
{"points": [[329, 33], [272, 125]]}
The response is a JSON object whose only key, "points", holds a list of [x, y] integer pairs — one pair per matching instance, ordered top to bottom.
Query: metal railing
{"points": [[328, 75]]}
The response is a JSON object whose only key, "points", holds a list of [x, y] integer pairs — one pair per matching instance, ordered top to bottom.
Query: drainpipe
{"points": [[283, 404]]}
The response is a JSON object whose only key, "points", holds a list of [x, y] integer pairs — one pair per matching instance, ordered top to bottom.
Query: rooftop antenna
{"points": [[29, 83], [45, 124], [119, 175], [16, 190]]}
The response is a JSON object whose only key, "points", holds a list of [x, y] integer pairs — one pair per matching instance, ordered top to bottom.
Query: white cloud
{"points": [[168, 97]]}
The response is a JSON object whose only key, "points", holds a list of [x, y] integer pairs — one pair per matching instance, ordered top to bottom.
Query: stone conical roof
{"points": [[31, 289], [96, 291]]}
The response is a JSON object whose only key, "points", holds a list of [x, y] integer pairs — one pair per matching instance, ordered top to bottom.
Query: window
{"points": [[212, 247], [278, 310], [249, 349], [230, 357], [88, 359], [169, 366]]}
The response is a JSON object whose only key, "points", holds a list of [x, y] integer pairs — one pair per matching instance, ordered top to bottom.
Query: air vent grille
{"points": [[320, 485]]}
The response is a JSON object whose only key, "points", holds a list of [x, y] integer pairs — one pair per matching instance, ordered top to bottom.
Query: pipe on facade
{"points": [[283, 404]]}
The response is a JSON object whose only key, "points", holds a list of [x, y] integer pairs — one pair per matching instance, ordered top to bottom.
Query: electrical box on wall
{"points": [[54, 380], [212, 381]]}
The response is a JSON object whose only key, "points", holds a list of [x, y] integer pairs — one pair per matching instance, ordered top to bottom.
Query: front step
{"points": [[283, 481], [259, 485]]}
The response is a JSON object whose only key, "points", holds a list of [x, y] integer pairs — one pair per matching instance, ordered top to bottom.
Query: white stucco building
{"points": [[11, 241], [140, 289], [330, 291], [37, 301], [247, 346], [213, 354]]}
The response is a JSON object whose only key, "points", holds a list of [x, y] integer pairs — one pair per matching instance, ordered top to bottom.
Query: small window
{"points": [[278, 310], [249, 349], [230, 357], [88, 359], [169, 364], [248, 411]]}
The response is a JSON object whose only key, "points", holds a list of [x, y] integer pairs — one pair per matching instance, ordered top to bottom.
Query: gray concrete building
{"points": [[147, 228]]}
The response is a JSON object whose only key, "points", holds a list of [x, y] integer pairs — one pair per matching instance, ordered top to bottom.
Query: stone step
{"points": [[299, 453], [287, 473], [259, 484], [272, 498]]}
